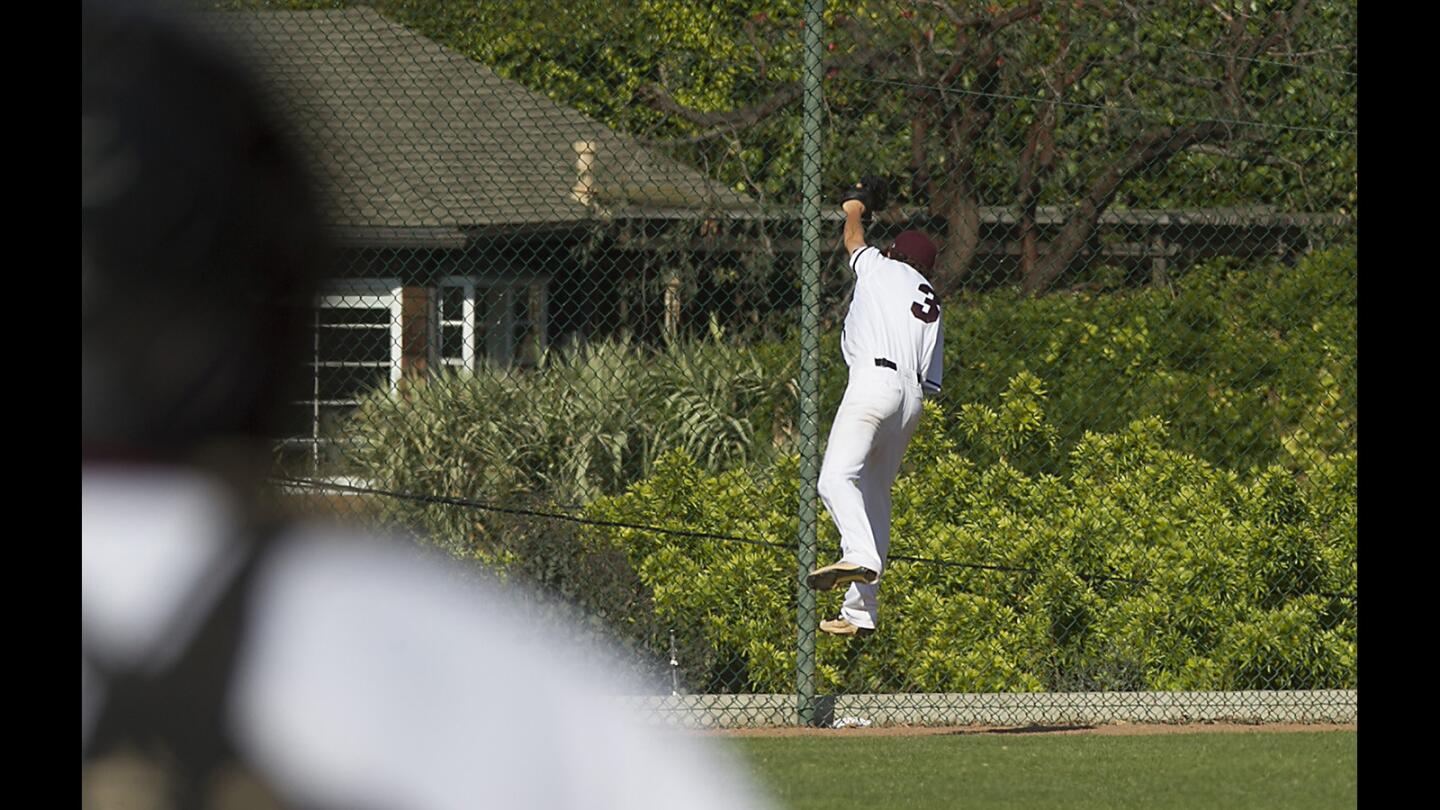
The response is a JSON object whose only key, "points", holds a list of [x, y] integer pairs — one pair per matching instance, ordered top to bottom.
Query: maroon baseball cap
{"points": [[917, 248]]}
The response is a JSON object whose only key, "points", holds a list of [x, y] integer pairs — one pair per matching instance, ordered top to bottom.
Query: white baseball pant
{"points": [[872, 428]]}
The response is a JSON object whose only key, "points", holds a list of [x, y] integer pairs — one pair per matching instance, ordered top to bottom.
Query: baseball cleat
{"points": [[840, 573], [843, 627]]}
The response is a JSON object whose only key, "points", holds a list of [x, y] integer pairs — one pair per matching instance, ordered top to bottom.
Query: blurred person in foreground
{"points": [[227, 663]]}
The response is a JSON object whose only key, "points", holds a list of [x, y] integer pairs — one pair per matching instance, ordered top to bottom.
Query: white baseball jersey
{"points": [[894, 315]]}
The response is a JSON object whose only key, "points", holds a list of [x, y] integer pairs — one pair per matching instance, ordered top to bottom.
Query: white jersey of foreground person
{"points": [[373, 675]]}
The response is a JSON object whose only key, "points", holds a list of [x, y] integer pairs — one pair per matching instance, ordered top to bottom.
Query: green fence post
{"points": [[809, 361]]}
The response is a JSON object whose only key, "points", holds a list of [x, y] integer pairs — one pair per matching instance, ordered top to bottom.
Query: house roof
{"points": [[416, 139]]}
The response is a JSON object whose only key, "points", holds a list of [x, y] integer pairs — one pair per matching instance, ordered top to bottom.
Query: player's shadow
{"points": [[851, 682], [824, 716]]}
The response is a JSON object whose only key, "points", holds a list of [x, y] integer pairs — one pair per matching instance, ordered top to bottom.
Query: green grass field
{"points": [[1240, 770]]}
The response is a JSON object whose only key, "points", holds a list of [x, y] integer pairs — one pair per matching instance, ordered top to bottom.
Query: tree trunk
{"points": [[1156, 146], [1035, 162], [921, 187], [957, 198], [960, 209]]}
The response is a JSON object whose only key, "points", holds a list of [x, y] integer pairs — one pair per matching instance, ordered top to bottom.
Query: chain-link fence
{"points": [[585, 326]]}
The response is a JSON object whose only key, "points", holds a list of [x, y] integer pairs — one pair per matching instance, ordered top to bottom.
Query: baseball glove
{"points": [[872, 190]]}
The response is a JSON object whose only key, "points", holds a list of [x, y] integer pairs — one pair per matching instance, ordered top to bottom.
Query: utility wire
{"points": [[473, 504]]}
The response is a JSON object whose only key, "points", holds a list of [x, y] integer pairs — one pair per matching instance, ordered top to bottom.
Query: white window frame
{"points": [[386, 293], [372, 294], [490, 301], [468, 322]]}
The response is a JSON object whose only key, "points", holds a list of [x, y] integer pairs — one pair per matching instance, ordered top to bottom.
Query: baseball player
{"points": [[893, 343]]}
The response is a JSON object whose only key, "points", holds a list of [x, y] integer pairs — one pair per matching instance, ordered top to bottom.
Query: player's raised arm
{"points": [[868, 196], [854, 228]]}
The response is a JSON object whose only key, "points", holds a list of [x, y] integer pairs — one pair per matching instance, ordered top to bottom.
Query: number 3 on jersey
{"points": [[931, 309]]}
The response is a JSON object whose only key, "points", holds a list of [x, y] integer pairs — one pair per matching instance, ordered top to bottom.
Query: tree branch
{"points": [[1015, 15], [994, 21], [1281, 32], [755, 44], [1241, 53], [967, 55], [1192, 81], [661, 99], [689, 140], [1155, 146], [1220, 151]]}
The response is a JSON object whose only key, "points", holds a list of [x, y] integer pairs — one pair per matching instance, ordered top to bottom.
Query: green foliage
{"points": [[1159, 64], [1249, 366], [585, 423], [1081, 436], [1143, 567], [742, 621]]}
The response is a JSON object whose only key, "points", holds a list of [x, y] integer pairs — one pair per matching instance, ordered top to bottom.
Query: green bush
{"points": [[1248, 365], [585, 423], [1201, 438], [1143, 566]]}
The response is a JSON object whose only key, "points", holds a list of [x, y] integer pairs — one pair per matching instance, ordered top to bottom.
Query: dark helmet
{"points": [[200, 241], [913, 248]]}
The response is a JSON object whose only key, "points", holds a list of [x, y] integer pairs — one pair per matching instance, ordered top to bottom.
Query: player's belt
{"points": [[880, 361]]}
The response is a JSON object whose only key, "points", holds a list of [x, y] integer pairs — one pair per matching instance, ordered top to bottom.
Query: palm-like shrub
{"points": [[585, 423]]}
